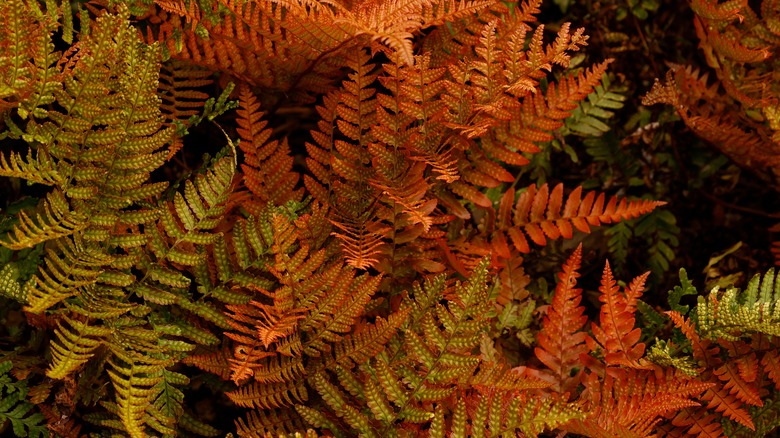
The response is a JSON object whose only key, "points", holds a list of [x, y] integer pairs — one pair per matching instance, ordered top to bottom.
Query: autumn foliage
{"points": [[358, 251]]}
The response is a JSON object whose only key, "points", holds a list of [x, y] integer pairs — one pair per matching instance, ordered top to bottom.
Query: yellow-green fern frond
{"points": [[39, 169], [55, 220], [186, 222], [70, 268], [733, 314], [75, 344], [136, 379]]}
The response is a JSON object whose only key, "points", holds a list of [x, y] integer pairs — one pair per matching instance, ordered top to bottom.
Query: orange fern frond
{"points": [[267, 166], [537, 214], [361, 242], [616, 333], [561, 340], [216, 362], [771, 363], [719, 397], [632, 402]]}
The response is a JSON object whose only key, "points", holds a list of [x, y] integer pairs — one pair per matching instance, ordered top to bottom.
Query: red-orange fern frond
{"points": [[537, 213], [615, 333], [561, 339], [630, 402]]}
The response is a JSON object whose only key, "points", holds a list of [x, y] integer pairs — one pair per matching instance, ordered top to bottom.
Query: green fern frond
{"points": [[590, 116], [676, 294], [137, 381], [16, 408]]}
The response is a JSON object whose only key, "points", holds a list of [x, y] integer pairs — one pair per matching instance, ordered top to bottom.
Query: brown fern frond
{"points": [[181, 90], [319, 152], [267, 167], [513, 280], [368, 341], [269, 395], [276, 422]]}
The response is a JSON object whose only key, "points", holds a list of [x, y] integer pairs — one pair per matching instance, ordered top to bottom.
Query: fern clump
{"points": [[296, 218]]}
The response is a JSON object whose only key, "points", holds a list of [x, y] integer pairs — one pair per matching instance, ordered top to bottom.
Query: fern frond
{"points": [[30, 77], [180, 89], [588, 119], [268, 165], [39, 169], [537, 214], [189, 218], [56, 220], [360, 242], [72, 269], [337, 310], [733, 314], [616, 332], [561, 340], [367, 342], [75, 344], [215, 362], [136, 383], [269, 395], [632, 402], [168, 403], [17, 409], [279, 422]]}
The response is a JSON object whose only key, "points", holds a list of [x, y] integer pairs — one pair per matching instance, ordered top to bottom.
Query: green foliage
{"points": [[588, 119], [676, 294], [16, 410]]}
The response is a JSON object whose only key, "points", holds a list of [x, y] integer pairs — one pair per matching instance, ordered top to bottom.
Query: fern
{"points": [[588, 119], [537, 214], [375, 297], [734, 314], [562, 340], [16, 409]]}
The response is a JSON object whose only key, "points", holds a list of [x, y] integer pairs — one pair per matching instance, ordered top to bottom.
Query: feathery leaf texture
{"points": [[540, 214], [357, 278]]}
